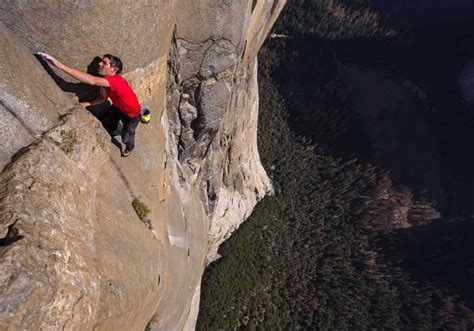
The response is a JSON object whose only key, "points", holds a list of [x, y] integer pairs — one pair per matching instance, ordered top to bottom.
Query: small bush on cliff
{"points": [[68, 140], [140, 208]]}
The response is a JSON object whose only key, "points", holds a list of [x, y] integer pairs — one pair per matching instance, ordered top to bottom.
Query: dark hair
{"points": [[115, 62]]}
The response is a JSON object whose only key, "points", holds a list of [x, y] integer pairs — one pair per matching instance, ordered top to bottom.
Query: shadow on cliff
{"points": [[81, 90], [85, 92], [12, 235], [439, 254]]}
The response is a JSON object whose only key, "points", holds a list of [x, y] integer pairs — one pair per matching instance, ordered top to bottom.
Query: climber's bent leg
{"points": [[113, 126], [128, 131]]}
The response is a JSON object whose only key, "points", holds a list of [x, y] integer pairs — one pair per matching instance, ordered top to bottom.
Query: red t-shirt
{"points": [[122, 96]]}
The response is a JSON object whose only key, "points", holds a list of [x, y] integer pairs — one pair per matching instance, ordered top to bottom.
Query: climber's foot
{"points": [[126, 152]]}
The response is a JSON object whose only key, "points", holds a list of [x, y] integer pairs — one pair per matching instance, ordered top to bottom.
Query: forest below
{"points": [[370, 226]]}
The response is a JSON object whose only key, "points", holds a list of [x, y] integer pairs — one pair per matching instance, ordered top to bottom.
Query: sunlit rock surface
{"points": [[74, 254]]}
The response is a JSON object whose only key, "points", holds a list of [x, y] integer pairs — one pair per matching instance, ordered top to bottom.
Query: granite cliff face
{"points": [[74, 254]]}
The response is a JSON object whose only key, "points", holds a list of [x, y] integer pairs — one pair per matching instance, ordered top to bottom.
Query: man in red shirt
{"points": [[125, 105]]}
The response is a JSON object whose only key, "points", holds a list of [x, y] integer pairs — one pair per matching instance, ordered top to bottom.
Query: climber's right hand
{"points": [[51, 60]]}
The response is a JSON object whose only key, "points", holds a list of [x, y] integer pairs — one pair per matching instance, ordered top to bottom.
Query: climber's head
{"points": [[110, 65]]}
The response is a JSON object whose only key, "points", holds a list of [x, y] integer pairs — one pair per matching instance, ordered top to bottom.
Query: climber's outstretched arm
{"points": [[79, 75]]}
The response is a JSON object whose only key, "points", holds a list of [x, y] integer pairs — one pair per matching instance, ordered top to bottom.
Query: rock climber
{"points": [[125, 105]]}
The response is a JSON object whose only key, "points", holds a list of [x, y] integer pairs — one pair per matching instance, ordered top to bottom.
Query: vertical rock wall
{"points": [[213, 106], [71, 242]]}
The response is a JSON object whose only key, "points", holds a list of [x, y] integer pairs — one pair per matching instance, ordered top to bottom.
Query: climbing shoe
{"points": [[126, 152]]}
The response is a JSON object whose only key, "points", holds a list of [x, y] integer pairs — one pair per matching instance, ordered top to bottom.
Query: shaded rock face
{"points": [[73, 253]]}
